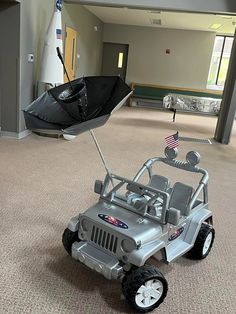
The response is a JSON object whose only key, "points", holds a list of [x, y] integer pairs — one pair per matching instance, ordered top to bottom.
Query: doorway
{"points": [[70, 53], [114, 59]]}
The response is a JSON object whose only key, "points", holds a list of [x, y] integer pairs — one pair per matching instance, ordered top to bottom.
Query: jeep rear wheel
{"points": [[68, 238], [203, 243], [145, 288]]}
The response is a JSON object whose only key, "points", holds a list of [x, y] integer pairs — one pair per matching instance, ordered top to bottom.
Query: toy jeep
{"points": [[132, 222]]}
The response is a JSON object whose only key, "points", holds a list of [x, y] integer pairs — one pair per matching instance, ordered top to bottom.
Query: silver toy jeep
{"points": [[132, 222]]}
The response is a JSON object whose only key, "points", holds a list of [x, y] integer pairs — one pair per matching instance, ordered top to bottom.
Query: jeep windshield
{"points": [[133, 196]]}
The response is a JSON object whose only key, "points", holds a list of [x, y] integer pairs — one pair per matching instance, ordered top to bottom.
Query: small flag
{"points": [[58, 4], [59, 33], [172, 141]]}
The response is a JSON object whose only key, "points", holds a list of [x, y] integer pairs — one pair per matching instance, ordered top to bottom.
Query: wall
{"points": [[213, 6], [35, 18], [89, 43], [9, 66], [186, 66]]}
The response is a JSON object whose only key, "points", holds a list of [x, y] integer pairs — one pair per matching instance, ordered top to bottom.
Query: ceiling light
{"points": [[154, 12], [215, 26]]}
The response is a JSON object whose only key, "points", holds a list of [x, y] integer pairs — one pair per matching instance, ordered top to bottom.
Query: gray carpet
{"points": [[46, 181]]}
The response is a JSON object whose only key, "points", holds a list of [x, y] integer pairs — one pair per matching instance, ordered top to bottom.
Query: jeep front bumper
{"points": [[97, 260]]}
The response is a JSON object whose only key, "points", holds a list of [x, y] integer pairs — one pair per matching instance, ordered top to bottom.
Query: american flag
{"points": [[58, 4], [172, 141]]}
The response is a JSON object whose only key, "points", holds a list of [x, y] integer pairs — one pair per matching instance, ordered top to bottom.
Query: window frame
{"points": [[216, 83]]}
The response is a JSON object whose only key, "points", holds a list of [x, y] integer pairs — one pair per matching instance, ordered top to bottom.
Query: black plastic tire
{"points": [[68, 238], [198, 252], [135, 279]]}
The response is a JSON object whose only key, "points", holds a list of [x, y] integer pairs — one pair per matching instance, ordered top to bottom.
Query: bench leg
{"points": [[174, 114]]}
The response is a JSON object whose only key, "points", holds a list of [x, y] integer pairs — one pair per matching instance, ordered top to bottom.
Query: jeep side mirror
{"points": [[98, 186], [173, 216]]}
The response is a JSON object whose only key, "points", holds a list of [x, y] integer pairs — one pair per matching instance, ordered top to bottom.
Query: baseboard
{"points": [[15, 135]]}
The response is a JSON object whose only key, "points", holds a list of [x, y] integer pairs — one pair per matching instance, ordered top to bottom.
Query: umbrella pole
{"points": [[102, 156]]}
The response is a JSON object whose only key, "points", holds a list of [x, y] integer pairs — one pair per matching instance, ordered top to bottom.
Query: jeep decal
{"points": [[113, 221], [176, 234]]}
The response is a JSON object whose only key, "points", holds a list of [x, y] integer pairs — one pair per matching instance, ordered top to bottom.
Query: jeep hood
{"points": [[128, 223]]}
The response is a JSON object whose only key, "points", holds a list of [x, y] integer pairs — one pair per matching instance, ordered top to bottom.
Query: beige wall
{"points": [[89, 44], [186, 66]]}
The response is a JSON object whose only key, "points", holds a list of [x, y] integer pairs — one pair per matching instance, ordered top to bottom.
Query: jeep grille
{"points": [[104, 239]]}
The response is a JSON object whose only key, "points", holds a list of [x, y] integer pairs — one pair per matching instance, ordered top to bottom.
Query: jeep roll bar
{"points": [[184, 165]]}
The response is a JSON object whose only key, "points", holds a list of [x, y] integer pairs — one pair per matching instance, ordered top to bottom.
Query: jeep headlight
{"points": [[128, 245]]}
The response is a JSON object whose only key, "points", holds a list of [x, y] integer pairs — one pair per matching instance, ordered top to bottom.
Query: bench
{"points": [[157, 93]]}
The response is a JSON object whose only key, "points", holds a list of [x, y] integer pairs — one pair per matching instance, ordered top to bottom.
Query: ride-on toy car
{"points": [[133, 221]]}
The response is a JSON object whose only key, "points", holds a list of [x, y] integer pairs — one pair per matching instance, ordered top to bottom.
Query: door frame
{"points": [[115, 43]]}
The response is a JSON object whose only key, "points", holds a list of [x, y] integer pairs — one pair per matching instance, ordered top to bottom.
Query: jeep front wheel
{"points": [[68, 238], [203, 243], [145, 288]]}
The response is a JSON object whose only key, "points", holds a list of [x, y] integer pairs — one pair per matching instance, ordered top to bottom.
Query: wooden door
{"points": [[70, 53], [114, 61]]}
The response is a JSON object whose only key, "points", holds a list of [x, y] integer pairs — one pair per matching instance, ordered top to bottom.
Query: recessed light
{"points": [[154, 12], [226, 17], [215, 26]]}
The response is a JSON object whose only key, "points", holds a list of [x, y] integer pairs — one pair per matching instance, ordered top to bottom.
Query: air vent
{"points": [[155, 21]]}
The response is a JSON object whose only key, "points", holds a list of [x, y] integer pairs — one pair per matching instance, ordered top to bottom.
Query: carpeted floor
{"points": [[46, 181]]}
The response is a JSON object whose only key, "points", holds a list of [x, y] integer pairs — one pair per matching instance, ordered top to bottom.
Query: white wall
{"points": [[35, 18], [186, 66]]}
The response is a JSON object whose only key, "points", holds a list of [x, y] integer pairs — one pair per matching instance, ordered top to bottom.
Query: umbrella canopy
{"points": [[86, 106]]}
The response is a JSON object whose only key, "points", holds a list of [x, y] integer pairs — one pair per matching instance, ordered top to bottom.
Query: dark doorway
{"points": [[114, 60]]}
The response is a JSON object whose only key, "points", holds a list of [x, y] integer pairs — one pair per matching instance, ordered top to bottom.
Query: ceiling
{"points": [[175, 20]]}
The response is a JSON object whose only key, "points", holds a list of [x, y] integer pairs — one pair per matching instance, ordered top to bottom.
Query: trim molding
{"points": [[15, 135]]}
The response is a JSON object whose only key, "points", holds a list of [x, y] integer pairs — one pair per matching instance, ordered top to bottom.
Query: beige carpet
{"points": [[46, 181]]}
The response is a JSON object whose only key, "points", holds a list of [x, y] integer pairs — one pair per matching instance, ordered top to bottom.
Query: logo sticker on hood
{"points": [[113, 221]]}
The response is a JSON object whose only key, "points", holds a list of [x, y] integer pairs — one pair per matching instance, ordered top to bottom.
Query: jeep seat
{"points": [[159, 182], [180, 197]]}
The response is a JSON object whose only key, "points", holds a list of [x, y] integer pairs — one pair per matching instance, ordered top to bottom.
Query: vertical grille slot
{"points": [[93, 231], [96, 236], [104, 239], [111, 243], [115, 245]]}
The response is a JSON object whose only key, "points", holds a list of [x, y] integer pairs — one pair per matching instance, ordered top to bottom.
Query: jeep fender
{"points": [[73, 224], [195, 224], [140, 256]]}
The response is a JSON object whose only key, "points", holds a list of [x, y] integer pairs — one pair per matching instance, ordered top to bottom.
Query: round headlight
{"points": [[128, 245]]}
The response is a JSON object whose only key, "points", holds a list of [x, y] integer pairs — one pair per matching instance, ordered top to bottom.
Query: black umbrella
{"points": [[77, 106]]}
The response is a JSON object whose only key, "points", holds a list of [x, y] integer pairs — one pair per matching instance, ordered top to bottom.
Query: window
{"points": [[220, 61]]}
